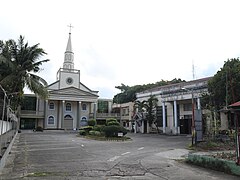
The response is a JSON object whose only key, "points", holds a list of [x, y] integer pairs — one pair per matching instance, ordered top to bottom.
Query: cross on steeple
{"points": [[70, 28]]}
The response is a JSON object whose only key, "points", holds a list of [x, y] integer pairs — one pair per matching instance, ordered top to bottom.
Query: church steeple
{"points": [[69, 55]]}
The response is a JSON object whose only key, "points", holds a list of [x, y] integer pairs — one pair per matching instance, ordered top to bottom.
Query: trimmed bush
{"points": [[110, 120], [92, 122], [113, 123], [98, 128], [86, 129], [112, 131], [82, 132], [94, 133], [229, 167]]}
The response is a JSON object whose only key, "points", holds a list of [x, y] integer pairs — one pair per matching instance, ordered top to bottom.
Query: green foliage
{"points": [[19, 64], [224, 87], [128, 94], [149, 107], [110, 120], [92, 122], [113, 123], [98, 128], [86, 129], [112, 131], [82, 132], [95, 133], [209, 162]]}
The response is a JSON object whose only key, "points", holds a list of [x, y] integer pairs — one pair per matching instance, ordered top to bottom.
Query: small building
{"points": [[125, 114]]}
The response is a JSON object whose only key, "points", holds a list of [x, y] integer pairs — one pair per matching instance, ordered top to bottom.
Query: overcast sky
{"points": [[128, 41]]}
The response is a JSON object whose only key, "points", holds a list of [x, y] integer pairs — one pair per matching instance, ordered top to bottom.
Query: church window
{"points": [[51, 105], [68, 107], [84, 107], [68, 117], [84, 118], [50, 120]]}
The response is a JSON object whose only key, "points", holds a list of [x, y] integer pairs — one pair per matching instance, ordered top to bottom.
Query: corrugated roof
{"points": [[235, 104]]}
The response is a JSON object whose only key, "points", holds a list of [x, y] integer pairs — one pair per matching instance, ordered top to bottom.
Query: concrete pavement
{"points": [[60, 155]]}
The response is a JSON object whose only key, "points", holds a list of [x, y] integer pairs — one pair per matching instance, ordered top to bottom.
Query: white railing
{"points": [[7, 126]]}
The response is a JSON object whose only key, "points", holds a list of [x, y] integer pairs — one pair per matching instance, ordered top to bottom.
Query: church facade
{"points": [[70, 103]]}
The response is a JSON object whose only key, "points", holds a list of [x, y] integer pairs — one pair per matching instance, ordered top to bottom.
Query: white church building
{"points": [[69, 105]]}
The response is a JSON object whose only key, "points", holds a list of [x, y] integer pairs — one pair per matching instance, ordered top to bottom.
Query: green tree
{"points": [[18, 64], [224, 87], [128, 93], [148, 107]]}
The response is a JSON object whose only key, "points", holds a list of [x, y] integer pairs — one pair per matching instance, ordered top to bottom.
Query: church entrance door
{"points": [[68, 122]]}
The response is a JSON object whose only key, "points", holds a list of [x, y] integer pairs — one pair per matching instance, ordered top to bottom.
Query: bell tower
{"points": [[69, 55]]}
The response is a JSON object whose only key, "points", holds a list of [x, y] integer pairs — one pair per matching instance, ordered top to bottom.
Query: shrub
{"points": [[110, 120], [92, 122], [113, 123], [98, 128], [86, 129], [112, 131], [82, 132], [94, 133]]}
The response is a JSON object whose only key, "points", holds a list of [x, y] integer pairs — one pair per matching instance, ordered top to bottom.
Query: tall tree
{"points": [[18, 64], [224, 87], [128, 93], [148, 107]]}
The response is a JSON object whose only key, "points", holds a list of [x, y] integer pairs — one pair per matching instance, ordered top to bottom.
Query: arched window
{"points": [[51, 105], [68, 107], [84, 107], [68, 117], [84, 118], [50, 120], [83, 121]]}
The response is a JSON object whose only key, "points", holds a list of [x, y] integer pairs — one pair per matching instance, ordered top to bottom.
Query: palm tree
{"points": [[18, 64], [150, 106]]}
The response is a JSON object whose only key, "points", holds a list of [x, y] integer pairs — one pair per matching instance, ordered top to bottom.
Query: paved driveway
{"points": [[60, 155]]}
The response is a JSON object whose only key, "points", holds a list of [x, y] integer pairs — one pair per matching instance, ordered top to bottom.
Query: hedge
{"points": [[109, 120], [92, 122], [112, 131], [229, 167]]}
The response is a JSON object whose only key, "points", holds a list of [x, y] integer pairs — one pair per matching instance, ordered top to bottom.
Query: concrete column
{"points": [[198, 103], [109, 107], [46, 110], [95, 111], [79, 113], [58, 115], [75, 116], [62, 117], [164, 117], [175, 117]]}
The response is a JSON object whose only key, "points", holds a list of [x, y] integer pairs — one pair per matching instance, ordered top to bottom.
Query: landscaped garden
{"points": [[111, 130], [215, 154]]}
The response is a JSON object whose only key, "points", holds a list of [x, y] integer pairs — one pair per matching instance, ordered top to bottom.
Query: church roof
{"points": [[73, 94]]}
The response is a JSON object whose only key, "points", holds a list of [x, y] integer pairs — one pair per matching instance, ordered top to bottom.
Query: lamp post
{"points": [[193, 131]]}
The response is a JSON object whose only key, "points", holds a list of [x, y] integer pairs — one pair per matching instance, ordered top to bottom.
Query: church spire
{"points": [[69, 55]]}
